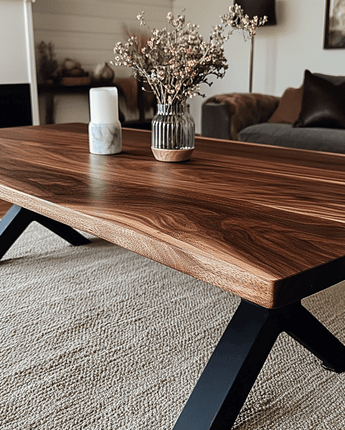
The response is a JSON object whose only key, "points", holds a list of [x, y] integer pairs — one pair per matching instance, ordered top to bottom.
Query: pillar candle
{"points": [[104, 107], [105, 134]]}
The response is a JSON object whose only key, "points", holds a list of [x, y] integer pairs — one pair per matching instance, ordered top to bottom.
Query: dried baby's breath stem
{"points": [[176, 62]]}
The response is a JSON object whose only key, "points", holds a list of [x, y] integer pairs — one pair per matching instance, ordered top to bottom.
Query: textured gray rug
{"points": [[96, 337]]}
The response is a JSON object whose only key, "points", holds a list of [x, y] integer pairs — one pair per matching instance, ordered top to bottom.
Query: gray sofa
{"points": [[311, 117]]}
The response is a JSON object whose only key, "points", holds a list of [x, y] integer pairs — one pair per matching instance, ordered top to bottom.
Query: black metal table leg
{"points": [[17, 220], [64, 231], [314, 336], [239, 356], [231, 372]]}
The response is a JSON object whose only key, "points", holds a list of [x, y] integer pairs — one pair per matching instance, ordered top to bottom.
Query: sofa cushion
{"points": [[336, 80], [322, 103], [289, 107], [215, 120], [318, 139]]}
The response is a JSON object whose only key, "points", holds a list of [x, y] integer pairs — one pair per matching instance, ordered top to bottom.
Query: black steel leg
{"points": [[17, 219], [12, 226], [66, 232], [316, 338], [238, 358], [231, 372]]}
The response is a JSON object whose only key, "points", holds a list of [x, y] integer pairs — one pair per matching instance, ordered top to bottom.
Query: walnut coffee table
{"points": [[266, 223]]}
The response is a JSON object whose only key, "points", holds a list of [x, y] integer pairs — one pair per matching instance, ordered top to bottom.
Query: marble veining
{"points": [[105, 139]]}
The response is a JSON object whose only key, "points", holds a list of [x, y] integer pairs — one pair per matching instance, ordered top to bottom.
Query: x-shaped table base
{"points": [[240, 354]]}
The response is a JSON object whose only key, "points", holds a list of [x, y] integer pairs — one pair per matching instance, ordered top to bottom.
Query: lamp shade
{"points": [[260, 8]]}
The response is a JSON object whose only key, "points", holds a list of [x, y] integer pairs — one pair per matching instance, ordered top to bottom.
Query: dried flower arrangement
{"points": [[176, 62]]}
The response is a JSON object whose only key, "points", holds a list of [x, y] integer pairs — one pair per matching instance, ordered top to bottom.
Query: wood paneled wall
{"points": [[87, 30]]}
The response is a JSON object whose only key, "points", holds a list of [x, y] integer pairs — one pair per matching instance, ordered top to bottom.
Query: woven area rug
{"points": [[96, 337]]}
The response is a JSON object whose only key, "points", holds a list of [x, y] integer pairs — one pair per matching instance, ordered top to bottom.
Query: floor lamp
{"points": [[258, 8]]}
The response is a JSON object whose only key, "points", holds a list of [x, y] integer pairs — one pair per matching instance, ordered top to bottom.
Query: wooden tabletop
{"points": [[263, 222]]}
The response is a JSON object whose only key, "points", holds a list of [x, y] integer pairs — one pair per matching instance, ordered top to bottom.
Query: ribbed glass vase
{"points": [[173, 133]]}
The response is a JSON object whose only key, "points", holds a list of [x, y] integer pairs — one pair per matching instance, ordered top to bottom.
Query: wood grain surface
{"points": [[4, 207], [266, 223]]}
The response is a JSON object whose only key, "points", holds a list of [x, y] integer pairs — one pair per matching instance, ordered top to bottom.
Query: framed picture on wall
{"points": [[335, 24]]}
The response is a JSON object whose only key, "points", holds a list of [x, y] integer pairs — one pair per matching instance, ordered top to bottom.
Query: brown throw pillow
{"points": [[323, 103], [289, 106]]}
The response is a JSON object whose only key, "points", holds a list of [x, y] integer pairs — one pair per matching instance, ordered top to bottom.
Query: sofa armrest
{"points": [[225, 115]]}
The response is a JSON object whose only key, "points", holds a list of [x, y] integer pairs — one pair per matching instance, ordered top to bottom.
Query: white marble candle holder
{"points": [[105, 139]]}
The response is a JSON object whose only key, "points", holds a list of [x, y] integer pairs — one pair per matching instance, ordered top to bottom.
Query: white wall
{"points": [[87, 31], [281, 53], [13, 64], [17, 65]]}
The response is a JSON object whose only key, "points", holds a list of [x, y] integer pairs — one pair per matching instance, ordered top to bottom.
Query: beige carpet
{"points": [[96, 337]]}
